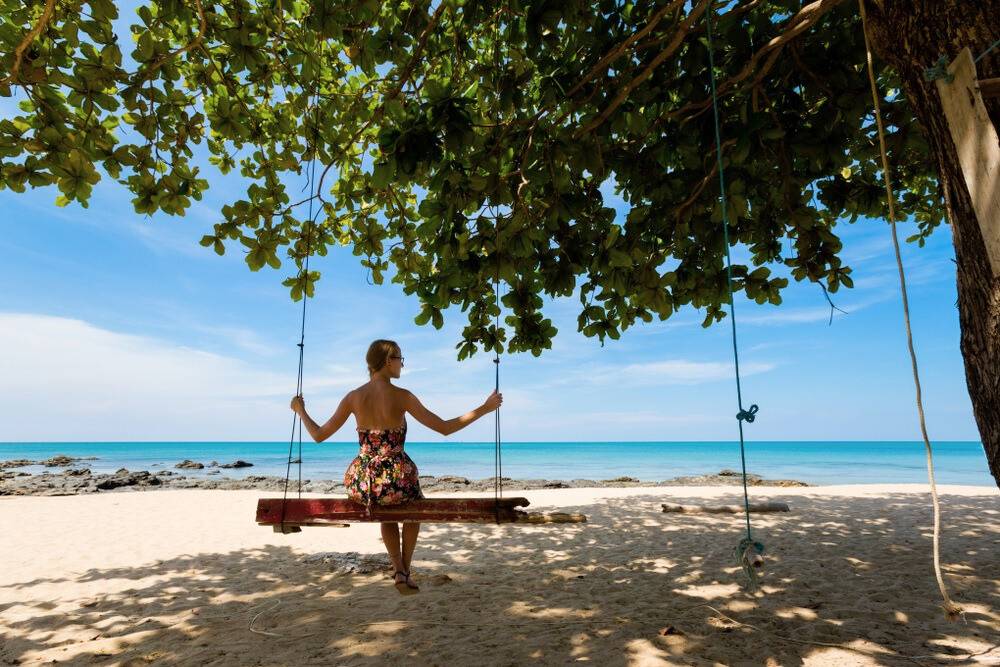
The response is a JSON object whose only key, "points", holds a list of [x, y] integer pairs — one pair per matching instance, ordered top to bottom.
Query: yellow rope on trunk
{"points": [[951, 609]]}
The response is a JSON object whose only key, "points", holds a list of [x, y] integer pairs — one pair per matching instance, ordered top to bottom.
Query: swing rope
{"points": [[296, 421], [497, 450], [497, 453], [748, 552], [951, 609]]}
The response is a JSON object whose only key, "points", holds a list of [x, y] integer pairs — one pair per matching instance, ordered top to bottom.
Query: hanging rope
{"points": [[988, 49], [308, 229], [497, 449], [497, 453], [748, 552], [951, 609]]}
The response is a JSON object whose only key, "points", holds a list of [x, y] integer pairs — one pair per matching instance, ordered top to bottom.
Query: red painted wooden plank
{"points": [[319, 511]]}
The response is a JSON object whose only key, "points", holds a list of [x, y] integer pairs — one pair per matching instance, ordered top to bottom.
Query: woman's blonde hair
{"points": [[378, 354]]}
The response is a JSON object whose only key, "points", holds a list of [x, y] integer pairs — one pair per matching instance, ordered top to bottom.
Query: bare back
{"points": [[378, 406], [381, 406]]}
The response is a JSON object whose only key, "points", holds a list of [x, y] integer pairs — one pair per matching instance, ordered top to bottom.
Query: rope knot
{"points": [[939, 70], [300, 345], [496, 361], [747, 415], [749, 555]]}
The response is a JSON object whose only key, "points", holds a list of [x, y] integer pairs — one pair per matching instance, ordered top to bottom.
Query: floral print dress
{"points": [[382, 473]]}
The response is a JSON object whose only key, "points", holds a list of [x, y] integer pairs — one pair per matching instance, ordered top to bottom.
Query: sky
{"points": [[116, 326], [119, 326]]}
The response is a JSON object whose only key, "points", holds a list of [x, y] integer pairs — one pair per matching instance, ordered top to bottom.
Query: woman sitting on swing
{"points": [[382, 473]]}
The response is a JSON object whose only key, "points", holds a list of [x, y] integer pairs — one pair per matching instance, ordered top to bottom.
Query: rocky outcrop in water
{"points": [[57, 461], [16, 463], [239, 463], [125, 478]]}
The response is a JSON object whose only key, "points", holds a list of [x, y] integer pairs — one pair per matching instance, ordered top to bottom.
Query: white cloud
{"points": [[859, 251], [786, 315], [797, 315], [240, 337], [680, 371], [683, 371], [665, 372], [66, 379], [647, 418]]}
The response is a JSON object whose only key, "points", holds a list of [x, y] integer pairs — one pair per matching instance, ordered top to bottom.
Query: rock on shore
{"points": [[81, 480]]}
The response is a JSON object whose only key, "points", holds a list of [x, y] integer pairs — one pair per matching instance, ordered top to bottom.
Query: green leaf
{"points": [[382, 175], [442, 192]]}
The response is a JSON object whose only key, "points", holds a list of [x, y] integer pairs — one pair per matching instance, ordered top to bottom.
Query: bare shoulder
{"points": [[404, 395]]}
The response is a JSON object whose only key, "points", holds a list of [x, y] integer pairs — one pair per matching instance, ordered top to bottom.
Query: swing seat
{"points": [[340, 511]]}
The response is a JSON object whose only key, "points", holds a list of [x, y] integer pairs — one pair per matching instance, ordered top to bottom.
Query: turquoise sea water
{"points": [[812, 462]]}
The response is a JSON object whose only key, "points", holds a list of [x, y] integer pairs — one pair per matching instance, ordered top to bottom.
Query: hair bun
{"points": [[378, 354]]}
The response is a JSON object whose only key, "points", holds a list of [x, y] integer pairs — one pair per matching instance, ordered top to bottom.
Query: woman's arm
{"points": [[447, 427], [321, 433]]}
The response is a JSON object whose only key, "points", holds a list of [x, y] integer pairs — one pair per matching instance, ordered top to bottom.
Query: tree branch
{"points": [[728, 16], [805, 19], [43, 22], [196, 42], [671, 48], [417, 52], [616, 52], [404, 77], [520, 162], [704, 182]]}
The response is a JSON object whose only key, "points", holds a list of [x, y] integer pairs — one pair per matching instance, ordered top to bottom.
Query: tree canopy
{"points": [[459, 142]]}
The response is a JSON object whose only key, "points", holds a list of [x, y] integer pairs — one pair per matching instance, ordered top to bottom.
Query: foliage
{"points": [[466, 141]]}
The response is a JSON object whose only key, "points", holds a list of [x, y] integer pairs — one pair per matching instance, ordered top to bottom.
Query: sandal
{"points": [[406, 586]]}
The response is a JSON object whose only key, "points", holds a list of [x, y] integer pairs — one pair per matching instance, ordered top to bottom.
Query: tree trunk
{"points": [[910, 35]]}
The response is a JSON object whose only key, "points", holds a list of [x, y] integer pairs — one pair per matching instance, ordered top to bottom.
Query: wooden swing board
{"points": [[977, 146], [755, 508], [340, 511]]}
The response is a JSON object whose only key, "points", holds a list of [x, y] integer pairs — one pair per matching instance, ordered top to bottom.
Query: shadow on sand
{"points": [[600, 592]]}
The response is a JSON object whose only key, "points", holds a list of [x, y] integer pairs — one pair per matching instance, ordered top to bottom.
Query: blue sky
{"points": [[116, 326]]}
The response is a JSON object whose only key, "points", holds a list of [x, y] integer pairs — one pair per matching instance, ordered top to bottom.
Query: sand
{"points": [[187, 577]]}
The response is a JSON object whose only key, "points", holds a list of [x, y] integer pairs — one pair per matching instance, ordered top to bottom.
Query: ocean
{"points": [[853, 462]]}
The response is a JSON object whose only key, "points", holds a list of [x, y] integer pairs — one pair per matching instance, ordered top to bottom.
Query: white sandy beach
{"points": [[178, 577]]}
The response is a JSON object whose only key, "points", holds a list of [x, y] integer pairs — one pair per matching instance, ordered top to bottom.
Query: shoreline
{"points": [[809, 462], [75, 477], [81, 481]]}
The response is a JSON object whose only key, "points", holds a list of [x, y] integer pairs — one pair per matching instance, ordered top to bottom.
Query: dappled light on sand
{"points": [[847, 582]]}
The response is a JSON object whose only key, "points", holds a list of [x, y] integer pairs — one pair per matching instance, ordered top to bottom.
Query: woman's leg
{"points": [[410, 532], [390, 536]]}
